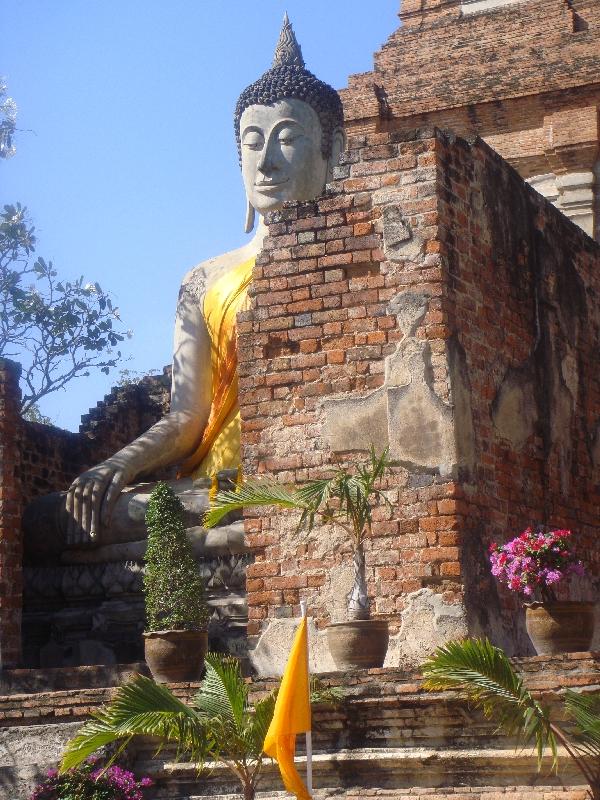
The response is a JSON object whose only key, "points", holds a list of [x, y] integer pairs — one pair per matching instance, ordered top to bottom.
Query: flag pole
{"points": [[309, 777]]}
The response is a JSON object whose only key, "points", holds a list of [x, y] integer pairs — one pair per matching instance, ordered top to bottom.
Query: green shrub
{"points": [[173, 588]]}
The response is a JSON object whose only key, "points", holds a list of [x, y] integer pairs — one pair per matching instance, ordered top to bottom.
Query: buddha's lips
{"points": [[271, 185]]}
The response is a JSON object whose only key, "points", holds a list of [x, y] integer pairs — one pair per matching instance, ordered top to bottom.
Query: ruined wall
{"points": [[443, 59], [524, 76], [523, 310], [365, 329], [343, 343], [52, 458], [38, 459], [11, 549]]}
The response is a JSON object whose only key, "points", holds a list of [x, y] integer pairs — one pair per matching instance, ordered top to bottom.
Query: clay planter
{"points": [[565, 627], [359, 644], [175, 656]]}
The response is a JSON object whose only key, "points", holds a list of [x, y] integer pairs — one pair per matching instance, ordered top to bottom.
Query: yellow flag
{"points": [[291, 715]]}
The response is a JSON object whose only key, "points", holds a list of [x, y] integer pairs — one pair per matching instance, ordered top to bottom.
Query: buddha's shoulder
{"points": [[206, 272]]}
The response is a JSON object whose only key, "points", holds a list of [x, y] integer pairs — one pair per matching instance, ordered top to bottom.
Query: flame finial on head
{"points": [[287, 52]]}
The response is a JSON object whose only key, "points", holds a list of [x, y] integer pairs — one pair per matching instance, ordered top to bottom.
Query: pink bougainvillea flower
{"points": [[535, 560]]}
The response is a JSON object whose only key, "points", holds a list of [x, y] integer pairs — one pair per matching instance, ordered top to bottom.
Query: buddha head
{"points": [[289, 131]]}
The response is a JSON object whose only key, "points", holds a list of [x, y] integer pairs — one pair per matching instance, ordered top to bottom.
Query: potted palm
{"points": [[347, 500], [534, 564], [175, 637], [485, 677], [220, 726]]}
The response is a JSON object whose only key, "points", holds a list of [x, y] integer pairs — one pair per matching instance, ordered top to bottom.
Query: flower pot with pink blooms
{"points": [[536, 564]]}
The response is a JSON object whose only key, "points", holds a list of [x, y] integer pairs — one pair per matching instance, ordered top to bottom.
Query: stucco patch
{"points": [[399, 240], [409, 308], [570, 374], [514, 411], [356, 423], [420, 427], [427, 623], [273, 648]]}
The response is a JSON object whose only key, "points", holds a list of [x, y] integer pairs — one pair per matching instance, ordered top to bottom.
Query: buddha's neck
{"points": [[256, 243]]}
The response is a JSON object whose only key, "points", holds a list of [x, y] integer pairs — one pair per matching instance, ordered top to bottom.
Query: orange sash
{"points": [[222, 302]]}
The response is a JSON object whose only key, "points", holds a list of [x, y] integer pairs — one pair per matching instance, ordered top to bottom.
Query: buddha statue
{"points": [[289, 132]]}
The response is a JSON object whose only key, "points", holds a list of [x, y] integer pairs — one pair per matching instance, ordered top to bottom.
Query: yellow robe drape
{"points": [[219, 447]]}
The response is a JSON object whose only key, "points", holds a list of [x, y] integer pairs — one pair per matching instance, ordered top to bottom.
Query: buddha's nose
{"points": [[266, 163]]}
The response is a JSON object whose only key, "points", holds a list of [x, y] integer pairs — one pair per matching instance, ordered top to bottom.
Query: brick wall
{"points": [[450, 60], [523, 76], [430, 290], [522, 304], [321, 328], [39, 459], [11, 549]]}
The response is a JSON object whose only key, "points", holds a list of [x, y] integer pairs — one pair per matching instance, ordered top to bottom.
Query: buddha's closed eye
{"points": [[253, 141]]}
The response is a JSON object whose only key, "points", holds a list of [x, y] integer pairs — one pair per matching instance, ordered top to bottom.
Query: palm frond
{"points": [[251, 492], [486, 677], [223, 693], [140, 708], [584, 709], [260, 720], [94, 734]]}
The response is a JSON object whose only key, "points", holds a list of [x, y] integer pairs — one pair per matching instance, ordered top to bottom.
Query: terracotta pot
{"points": [[565, 627], [358, 644], [175, 656]]}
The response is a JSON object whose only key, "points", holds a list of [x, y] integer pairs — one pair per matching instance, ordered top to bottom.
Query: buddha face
{"points": [[281, 154]]}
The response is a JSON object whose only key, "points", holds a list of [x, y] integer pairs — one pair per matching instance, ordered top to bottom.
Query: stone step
{"points": [[406, 769]]}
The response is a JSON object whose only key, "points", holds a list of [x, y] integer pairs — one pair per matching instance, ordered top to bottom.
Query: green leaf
{"points": [[251, 493], [484, 675], [223, 692], [140, 707], [584, 709]]}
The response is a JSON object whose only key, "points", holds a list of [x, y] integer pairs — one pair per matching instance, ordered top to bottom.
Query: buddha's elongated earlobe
{"points": [[338, 144], [250, 215]]}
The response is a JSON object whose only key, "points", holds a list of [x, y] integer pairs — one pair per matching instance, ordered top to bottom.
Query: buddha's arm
{"points": [[92, 495]]}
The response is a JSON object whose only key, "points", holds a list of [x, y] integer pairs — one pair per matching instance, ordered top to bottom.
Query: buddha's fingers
{"points": [[97, 495], [111, 497], [69, 508], [86, 511], [77, 532]]}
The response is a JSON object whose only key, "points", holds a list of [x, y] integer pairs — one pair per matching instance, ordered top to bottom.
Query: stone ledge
{"points": [[34, 681], [389, 737], [406, 768]]}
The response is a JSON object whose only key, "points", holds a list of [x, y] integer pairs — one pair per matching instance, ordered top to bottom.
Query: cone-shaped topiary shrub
{"points": [[173, 588]]}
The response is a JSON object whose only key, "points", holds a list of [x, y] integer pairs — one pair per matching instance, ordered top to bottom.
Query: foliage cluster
{"points": [[8, 119], [58, 330], [346, 499], [535, 562], [173, 588], [485, 677], [220, 725], [91, 781]]}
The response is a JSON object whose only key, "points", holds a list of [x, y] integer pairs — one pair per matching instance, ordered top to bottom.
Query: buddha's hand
{"points": [[91, 499]]}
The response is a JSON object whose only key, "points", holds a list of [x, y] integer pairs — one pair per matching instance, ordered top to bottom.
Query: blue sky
{"points": [[126, 157]]}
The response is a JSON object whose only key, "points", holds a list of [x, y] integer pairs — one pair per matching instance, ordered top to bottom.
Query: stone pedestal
{"points": [[85, 605]]}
